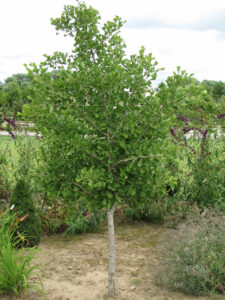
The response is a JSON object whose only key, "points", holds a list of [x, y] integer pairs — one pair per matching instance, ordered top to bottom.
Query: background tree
{"points": [[216, 89], [14, 93], [198, 122], [102, 126]]}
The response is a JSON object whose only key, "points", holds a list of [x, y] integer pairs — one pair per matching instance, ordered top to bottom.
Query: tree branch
{"points": [[107, 118], [90, 121], [121, 123], [144, 132], [108, 133], [179, 142], [93, 155], [132, 158], [80, 187]]}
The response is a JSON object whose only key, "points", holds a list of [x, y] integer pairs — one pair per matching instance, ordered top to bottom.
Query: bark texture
{"points": [[111, 274]]}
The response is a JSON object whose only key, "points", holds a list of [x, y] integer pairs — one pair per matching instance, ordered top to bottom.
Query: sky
{"points": [[186, 33]]}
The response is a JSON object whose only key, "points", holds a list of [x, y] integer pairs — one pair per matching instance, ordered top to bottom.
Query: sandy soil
{"points": [[76, 267]]}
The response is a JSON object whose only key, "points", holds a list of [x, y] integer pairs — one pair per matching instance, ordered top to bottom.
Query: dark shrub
{"points": [[30, 228]]}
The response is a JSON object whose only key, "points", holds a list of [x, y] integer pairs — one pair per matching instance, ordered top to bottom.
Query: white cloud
{"points": [[195, 51]]}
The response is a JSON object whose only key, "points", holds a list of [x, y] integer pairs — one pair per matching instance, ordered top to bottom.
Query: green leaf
{"points": [[109, 195]]}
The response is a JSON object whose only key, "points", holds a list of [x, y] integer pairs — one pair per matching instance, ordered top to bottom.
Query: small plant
{"points": [[23, 205], [150, 211], [53, 217], [81, 222], [196, 262], [15, 265]]}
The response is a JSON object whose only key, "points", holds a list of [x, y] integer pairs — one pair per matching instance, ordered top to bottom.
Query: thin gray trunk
{"points": [[111, 274]]}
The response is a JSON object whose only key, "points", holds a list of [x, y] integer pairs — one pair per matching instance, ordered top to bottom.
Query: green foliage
{"points": [[216, 89], [14, 93], [185, 97], [196, 113], [1, 118], [101, 123], [24, 158], [19, 160], [19, 175], [206, 184], [4, 193], [158, 198], [23, 205], [150, 212], [53, 216], [68, 218], [81, 223], [195, 263], [16, 266]]}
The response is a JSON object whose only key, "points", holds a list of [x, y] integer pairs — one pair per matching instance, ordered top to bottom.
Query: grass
{"points": [[8, 148]]}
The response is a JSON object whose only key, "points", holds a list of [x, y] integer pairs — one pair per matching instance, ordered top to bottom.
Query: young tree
{"points": [[102, 126]]}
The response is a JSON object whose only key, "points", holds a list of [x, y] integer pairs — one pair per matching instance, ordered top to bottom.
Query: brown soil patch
{"points": [[76, 267]]}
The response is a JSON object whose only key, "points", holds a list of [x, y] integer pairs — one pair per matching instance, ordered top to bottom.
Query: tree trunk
{"points": [[111, 274]]}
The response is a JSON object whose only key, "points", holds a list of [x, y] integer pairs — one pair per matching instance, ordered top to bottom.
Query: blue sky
{"points": [[188, 33]]}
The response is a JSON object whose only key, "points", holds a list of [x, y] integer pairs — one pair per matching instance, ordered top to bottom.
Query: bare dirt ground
{"points": [[76, 267]]}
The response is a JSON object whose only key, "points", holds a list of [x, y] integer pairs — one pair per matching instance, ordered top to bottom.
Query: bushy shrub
{"points": [[206, 183], [22, 201], [53, 215], [71, 218], [82, 221], [195, 263], [15, 265]]}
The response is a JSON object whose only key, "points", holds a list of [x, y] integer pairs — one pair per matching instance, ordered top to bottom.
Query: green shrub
{"points": [[206, 185], [23, 205], [142, 211], [52, 214], [58, 216], [81, 222], [195, 263], [15, 265]]}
